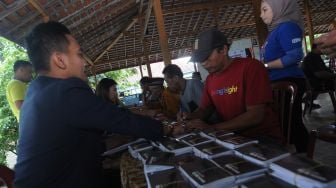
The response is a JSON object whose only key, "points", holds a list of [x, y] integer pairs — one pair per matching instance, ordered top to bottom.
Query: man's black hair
{"points": [[45, 39], [21, 63], [172, 70]]}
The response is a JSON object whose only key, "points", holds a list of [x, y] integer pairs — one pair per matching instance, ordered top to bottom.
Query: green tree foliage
{"points": [[9, 53], [120, 76]]}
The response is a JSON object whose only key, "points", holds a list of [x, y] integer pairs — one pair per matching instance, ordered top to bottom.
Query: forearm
{"points": [[292, 57], [276, 64], [250, 118]]}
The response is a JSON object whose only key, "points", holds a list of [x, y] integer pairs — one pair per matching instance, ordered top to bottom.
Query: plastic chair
{"points": [[283, 99], [326, 133], [7, 176]]}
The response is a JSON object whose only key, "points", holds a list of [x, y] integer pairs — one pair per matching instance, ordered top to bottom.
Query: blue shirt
{"points": [[284, 42]]}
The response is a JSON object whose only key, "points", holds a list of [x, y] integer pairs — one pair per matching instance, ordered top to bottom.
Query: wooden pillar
{"points": [[309, 21], [262, 30], [162, 33], [305, 44], [145, 47], [140, 66], [93, 69], [149, 70]]}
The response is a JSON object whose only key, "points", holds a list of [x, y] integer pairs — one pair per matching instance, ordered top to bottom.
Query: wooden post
{"points": [[309, 21], [262, 30], [162, 33], [305, 44], [145, 47], [140, 66], [93, 69], [149, 70]]}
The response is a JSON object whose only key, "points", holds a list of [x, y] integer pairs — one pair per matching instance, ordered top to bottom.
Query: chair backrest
{"points": [[283, 99], [7, 176]]}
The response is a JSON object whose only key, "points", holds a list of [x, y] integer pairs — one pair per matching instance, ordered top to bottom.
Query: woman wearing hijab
{"points": [[282, 53]]}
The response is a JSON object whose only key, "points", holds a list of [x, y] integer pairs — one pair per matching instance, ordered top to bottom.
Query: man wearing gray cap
{"points": [[238, 89]]}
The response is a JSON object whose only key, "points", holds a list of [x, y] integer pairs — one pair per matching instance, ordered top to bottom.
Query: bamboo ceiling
{"points": [[116, 34]]}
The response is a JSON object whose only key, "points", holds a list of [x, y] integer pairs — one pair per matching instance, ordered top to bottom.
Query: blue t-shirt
{"points": [[284, 42]]}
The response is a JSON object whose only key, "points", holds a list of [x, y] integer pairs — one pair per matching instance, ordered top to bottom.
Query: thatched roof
{"points": [[116, 34]]}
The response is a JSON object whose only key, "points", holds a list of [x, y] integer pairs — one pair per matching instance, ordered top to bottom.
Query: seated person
{"points": [[317, 73], [143, 84], [152, 89], [238, 89], [107, 90], [190, 90], [156, 96], [170, 103]]}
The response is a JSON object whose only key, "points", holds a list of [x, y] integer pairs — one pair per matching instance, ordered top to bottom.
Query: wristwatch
{"points": [[266, 65]]}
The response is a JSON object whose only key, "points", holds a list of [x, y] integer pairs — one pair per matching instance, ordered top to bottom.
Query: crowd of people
{"points": [[61, 119]]}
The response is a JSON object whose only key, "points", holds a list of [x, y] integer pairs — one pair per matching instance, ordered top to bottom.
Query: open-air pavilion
{"points": [[117, 34]]}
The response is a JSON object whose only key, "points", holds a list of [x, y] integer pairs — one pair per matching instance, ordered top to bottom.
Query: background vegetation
{"points": [[9, 53]]}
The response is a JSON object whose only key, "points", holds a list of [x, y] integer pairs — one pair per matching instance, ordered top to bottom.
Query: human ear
{"points": [[58, 59]]}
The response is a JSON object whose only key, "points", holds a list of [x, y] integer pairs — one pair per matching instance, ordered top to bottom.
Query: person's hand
{"points": [[327, 43], [160, 116], [181, 116], [196, 124], [179, 128], [174, 129]]}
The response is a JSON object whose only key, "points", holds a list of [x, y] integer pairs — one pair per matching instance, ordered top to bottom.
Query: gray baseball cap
{"points": [[207, 42]]}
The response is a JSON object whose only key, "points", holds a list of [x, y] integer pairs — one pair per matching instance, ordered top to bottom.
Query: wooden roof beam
{"points": [[16, 5], [140, 6], [204, 6], [40, 9], [330, 11], [148, 14], [89, 16], [309, 21], [23, 22], [231, 26], [162, 32], [190, 33], [116, 39], [143, 55], [87, 58], [121, 67]]}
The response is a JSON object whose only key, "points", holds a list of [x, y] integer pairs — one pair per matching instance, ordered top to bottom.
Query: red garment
{"points": [[244, 83]]}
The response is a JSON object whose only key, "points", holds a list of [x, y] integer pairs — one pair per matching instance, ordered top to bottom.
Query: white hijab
{"points": [[285, 10]]}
